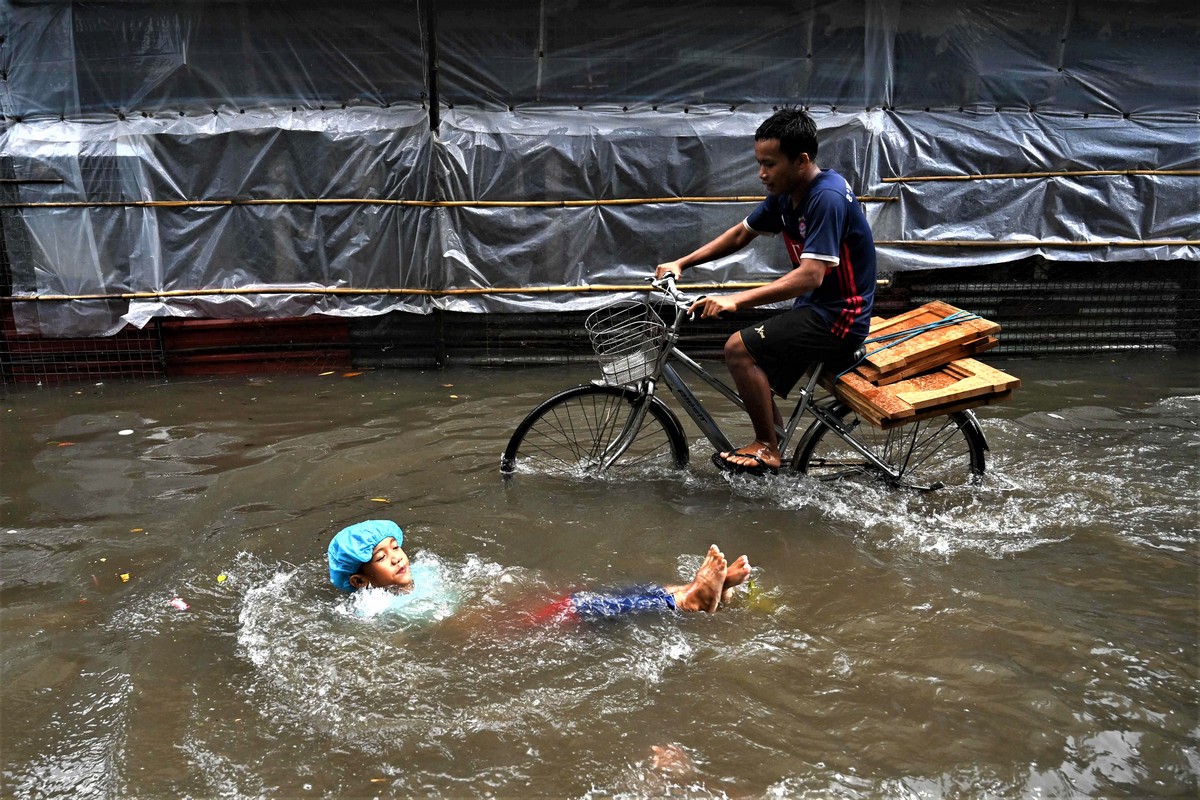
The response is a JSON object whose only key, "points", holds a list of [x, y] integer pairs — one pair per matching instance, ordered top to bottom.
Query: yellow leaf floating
{"points": [[323, 374], [351, 374], [380, 500], [124, 577], [221, 578], [758, 600]]}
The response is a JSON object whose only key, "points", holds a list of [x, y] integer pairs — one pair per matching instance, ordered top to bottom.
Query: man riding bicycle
{"points": [[832, 281]]}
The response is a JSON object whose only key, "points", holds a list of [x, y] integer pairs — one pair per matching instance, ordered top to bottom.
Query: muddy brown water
{"points": [[1032, 636]]}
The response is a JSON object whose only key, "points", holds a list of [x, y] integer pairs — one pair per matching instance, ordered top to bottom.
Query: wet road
{"points": [[1034, 635]]}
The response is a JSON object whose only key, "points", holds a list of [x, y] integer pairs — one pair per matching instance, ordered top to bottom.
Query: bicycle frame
{"points": [[665, 369], [712, 431]]}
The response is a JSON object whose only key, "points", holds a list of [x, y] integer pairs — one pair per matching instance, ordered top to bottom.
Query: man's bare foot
{"points": [[756, 455], [735, 575], [704, 592]]}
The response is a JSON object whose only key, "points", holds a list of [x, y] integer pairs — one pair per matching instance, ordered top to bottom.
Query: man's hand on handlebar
{"points": [[671, 267], [704, 306], [713, 306]]}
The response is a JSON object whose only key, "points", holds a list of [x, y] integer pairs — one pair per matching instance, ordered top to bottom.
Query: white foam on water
{"points": [[1087, 468], [324, 666]]}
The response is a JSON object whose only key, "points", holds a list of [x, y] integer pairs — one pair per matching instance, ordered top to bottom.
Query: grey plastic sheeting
{"points": [[100, 58], [378, 148]]}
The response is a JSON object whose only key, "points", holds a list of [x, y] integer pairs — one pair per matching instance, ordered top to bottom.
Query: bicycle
{"points": [[620, 424]]}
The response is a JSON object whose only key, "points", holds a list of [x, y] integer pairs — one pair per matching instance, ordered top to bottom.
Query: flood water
{"points": [[1033, 636]]}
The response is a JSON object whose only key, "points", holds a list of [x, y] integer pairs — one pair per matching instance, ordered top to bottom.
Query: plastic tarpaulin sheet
{"points": [[1102, 56], [65, 59], [99, 60], [234, 146], [708, 153], [254, 235]]}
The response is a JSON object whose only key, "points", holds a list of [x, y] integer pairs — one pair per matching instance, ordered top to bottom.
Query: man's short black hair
{"points": [[795, 130]]}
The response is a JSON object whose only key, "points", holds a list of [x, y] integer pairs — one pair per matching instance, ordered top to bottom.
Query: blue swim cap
{"points": [[352, 546]]}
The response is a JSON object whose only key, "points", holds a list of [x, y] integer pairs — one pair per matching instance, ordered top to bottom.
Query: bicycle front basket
{"points": [[627, 336]]}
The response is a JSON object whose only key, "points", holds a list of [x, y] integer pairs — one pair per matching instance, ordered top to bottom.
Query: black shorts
{"points": [[787, 344]]}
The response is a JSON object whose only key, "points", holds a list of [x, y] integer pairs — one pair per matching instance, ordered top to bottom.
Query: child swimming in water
{"points": [[369, 555]]}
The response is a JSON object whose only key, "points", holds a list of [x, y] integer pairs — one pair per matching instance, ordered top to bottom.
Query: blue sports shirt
{"points": [[828, 226]]}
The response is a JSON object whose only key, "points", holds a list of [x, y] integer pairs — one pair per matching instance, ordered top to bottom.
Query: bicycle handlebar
{"points": [[666, 285]]}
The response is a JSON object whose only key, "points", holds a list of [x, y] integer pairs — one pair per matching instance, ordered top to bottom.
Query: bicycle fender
{"points": [[669, 418], [973, 423], [676, 425]]}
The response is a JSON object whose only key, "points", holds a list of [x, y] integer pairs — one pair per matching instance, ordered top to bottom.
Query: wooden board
{"points": [[886, 360], [934, 360], [958, 380], [964, 383], [870, 401], [941, 411]]}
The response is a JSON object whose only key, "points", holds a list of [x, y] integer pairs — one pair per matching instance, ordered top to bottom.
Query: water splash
{"points": [[1089, 468], [370, 679]]}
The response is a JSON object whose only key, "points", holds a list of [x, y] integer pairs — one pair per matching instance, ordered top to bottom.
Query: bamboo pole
{"points": [[1186, 173], [365, 201], [1005, 243], [582, 289], [345, 290]]}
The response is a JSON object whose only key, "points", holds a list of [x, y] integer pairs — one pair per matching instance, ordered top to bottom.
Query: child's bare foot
{"points": [[737, 572], [735, 575], [704, 592], [672, 759]]}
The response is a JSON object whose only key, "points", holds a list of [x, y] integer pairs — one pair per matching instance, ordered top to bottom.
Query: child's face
{"points": [[388, 568]]}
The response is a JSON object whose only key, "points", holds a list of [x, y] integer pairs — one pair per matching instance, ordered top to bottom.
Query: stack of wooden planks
{"points": [[918, 366]]}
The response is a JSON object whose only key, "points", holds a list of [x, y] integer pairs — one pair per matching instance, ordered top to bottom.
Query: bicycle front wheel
{"points": [[569, 434], [930, 454]]}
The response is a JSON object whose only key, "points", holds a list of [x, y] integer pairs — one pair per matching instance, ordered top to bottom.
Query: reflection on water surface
{"points": [[1036, 634]]}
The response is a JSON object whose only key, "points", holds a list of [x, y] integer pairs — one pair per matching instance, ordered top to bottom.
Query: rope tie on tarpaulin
{"points": [[900, 337]]}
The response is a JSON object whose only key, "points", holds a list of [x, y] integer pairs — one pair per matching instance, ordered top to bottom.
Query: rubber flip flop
{"points": [[758, 469]]}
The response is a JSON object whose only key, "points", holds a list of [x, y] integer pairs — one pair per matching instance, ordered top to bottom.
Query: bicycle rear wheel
{"points": [[568, 434], [930, 454]]}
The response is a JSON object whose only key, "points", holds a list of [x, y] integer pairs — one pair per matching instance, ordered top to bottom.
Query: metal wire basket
{"points": [[627, 336]]}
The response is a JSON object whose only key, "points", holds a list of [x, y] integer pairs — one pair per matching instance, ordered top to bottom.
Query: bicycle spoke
{"points": [[574, 434], [932, 449], [923, 455]]}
